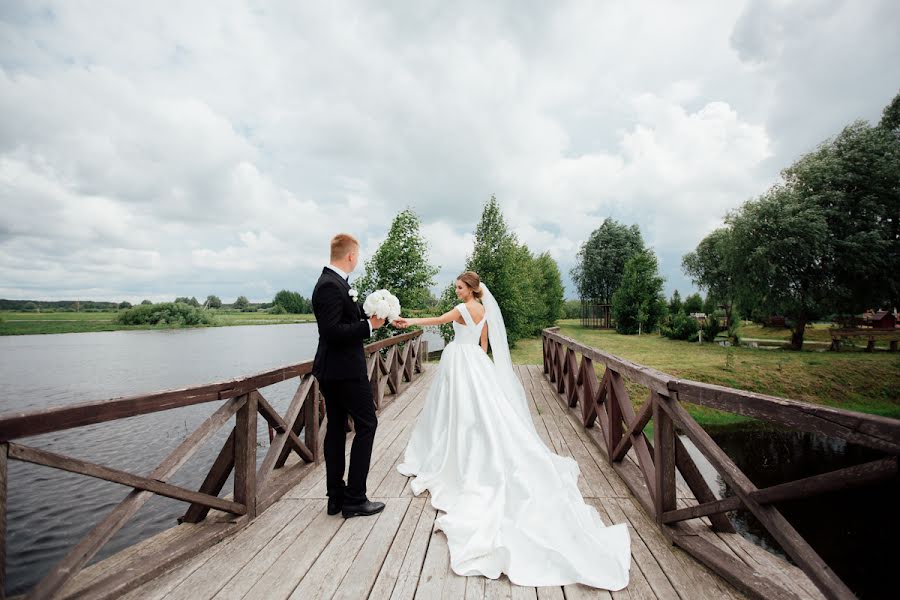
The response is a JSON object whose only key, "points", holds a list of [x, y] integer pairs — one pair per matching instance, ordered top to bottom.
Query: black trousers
{"points": [[353, 397]]}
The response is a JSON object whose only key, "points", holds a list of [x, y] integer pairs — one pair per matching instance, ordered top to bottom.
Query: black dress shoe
{"points": [[334, 506], [362, 509]]}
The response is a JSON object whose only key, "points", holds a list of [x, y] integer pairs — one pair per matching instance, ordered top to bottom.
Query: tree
{"points": [[890, 116], [854, 181], [827, 239], [784, 247], [495, 260], [601, 260], [401, 265], [711, 267], [528, 288], [550, 291], [182, 300], [213, 302], [292, 302], [146, 303], [241, 303], [124, 304], [638, 304], [675, 304], [693, 304]]}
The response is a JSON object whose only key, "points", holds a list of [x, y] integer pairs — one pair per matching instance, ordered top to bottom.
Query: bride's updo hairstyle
{"points": [[471, 279]]}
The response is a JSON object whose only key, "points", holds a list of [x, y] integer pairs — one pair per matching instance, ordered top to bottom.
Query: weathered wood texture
{"points": [[652, 475], [255, 489], [296, 550]]}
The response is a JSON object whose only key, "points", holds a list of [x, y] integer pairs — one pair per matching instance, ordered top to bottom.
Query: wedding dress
{"points": [[510, 505]]}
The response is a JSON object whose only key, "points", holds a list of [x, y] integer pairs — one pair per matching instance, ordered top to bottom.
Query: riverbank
{"points": [[31, 323], [858, 381]]}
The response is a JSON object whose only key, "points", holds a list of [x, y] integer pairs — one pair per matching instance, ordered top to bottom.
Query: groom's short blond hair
{"points": [[342, 244]]}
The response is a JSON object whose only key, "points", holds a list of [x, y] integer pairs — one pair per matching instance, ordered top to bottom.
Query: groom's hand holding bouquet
{"points": [[383, 306]]}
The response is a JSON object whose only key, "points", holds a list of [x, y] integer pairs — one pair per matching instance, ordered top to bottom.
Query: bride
{"points": [[510, 505]]}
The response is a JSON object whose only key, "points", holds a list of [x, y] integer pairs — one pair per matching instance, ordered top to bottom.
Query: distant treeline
{"points": [[57, 305]]}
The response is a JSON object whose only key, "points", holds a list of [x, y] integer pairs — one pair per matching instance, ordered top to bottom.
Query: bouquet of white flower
{"points": [[382, 304]]}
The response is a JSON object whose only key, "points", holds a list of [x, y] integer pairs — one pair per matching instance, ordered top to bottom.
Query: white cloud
{"points": [[162, 149]]}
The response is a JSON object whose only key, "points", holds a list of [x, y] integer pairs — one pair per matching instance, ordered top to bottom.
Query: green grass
{"points": [[230, 317], [28, 323], [817, 332], [858, 381]]}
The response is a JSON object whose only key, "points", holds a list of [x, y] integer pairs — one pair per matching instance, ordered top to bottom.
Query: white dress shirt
{"points": [[345, 276]]}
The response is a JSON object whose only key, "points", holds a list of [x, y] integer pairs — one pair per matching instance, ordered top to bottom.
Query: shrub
{"points": [[292, 302], [572, 309], [165, 313], [682, 327], [711, 329]]}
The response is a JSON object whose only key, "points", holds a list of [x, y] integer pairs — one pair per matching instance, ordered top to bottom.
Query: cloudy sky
{"points": [[155, 149]]}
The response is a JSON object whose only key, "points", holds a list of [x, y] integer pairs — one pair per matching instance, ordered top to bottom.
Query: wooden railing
{"points": [[871, 335], [651, 477], [255, 489]]}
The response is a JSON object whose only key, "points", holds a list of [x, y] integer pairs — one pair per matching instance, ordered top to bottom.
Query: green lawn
{"points": [[24, 323], [817, 332], [859, 381]]}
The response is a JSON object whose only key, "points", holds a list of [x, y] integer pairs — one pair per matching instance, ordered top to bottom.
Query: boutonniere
{"points": [[353, 294]]}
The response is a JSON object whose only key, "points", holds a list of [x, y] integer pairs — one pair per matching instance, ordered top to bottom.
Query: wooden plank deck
{"points": [[295, 550]]}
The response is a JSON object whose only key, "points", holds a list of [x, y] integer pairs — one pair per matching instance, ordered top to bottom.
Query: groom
{"points": [[340, 368]]}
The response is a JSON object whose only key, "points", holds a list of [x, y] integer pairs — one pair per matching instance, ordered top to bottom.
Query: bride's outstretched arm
{"points": [[450, 315], [484, 338]]}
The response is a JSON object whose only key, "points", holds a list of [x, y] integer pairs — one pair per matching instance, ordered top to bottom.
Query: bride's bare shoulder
{"points": [[476, 310]]}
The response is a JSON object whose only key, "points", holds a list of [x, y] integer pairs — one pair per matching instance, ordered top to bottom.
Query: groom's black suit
{"points": [[340, 368]]}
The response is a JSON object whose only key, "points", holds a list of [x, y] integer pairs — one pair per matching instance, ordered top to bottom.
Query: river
{"points": [[50, 510]]}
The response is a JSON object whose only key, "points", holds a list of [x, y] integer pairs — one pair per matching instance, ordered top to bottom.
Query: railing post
{"points": [[544, 353], [408, 361], [614, 412], [311, 421], [245, 456], [663, 457]]}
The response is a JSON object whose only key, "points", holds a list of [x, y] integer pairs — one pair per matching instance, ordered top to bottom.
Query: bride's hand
{"points": [[400, 323]]}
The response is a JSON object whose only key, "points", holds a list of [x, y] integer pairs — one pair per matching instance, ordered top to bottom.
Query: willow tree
{"points": [[826, 240], [601, 260], [711, 267]]}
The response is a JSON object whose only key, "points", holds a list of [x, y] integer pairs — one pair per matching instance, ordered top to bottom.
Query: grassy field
{"points": [[25, 323], [814, 333], [859, 381]]}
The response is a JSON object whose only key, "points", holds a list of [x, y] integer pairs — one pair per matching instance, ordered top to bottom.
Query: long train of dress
{"points": [[510, 505]]}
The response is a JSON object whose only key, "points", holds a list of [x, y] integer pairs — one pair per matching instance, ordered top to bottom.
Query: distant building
{"points": [[881, 319], [776, 321]]}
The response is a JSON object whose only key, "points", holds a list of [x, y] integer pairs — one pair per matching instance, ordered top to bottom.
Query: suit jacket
{"points": [[342, 329]]}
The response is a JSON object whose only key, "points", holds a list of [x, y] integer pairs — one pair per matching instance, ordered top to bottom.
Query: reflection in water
{"points": [[49, 510], [854, 531]]}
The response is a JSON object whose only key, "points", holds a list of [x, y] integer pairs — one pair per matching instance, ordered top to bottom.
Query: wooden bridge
{"points": [[272, 538]]}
